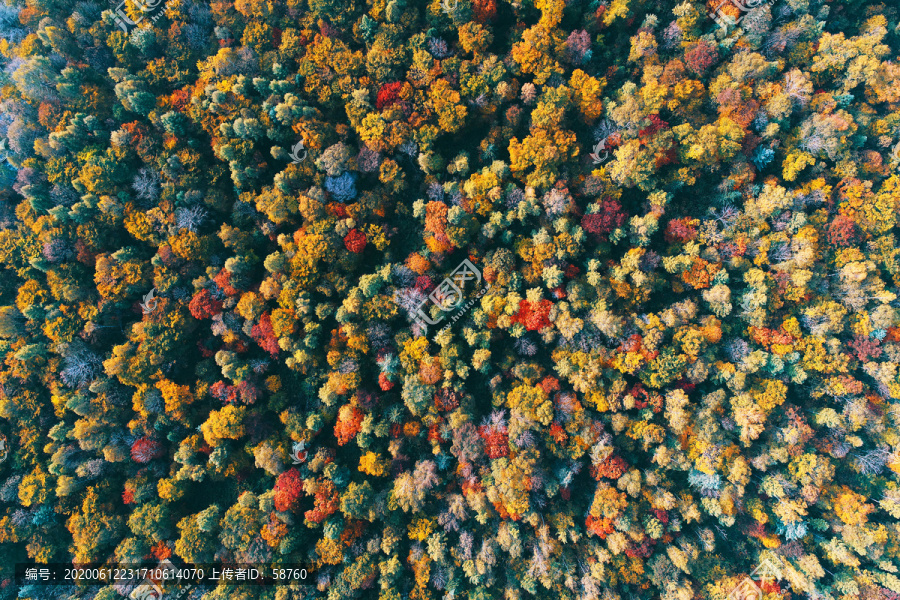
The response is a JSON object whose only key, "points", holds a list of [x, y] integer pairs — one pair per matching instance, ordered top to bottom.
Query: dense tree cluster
{"points": [[685, 364]]}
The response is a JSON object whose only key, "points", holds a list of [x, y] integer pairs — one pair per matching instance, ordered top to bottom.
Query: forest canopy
{"points": [[472, 299]]}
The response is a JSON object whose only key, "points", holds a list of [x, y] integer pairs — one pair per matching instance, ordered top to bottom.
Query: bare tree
{"points": [[146, 184], [80, 365]]}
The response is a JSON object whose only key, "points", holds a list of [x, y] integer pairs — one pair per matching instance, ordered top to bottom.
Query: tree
{"points": [[146, 449], [288, 489], [239, 525], [94, 527]]}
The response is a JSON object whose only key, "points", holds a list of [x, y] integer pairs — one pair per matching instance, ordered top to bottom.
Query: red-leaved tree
{"points": [[485, 10], [700, 56], [388, 94], [605, 220], [681, 230], [843, 232], [355, 241], [204, 306], [533, 316], [264, 334], [348, 423], [496, 440], [146, 449], [288, 489], [327, 502]]}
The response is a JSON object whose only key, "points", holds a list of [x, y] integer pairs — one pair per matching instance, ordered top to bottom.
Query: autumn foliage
{"points": [[475, 300]]}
